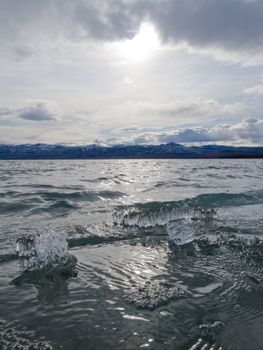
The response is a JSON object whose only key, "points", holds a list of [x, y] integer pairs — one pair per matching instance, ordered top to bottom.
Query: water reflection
{"points": [[51, 283]]}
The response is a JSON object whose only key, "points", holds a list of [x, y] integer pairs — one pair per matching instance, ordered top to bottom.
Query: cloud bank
{"points": [[187, 109], [247, 132]]}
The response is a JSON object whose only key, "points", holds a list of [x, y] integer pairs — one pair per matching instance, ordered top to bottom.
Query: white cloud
{"points": [[59, 50], [254, 90], [180, 111], [75, 126], [247, 132]]}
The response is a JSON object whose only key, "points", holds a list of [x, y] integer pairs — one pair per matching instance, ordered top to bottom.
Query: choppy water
{"points": [[131, 254]]}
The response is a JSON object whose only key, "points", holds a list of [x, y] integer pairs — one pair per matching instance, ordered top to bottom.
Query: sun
{"points": [[142, 46]]}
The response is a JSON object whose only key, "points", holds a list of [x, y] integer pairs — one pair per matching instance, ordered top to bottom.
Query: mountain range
{"points": [[166, 151]]}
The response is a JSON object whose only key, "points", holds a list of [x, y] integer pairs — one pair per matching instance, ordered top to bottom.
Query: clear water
{"points": [[131, 254]]}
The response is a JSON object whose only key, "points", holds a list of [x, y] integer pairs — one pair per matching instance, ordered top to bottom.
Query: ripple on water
{"points": [[169, 274], [13, 336]]}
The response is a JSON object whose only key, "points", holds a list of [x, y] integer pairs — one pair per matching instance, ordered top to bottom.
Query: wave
{"points": [[117, 179], [46, 186], [90, 196], [210, 200], [44, 201], [13, 208], [159, 213], [184, 220], [7, 257]]}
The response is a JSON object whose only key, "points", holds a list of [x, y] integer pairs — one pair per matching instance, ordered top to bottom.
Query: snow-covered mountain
{"points": [[169, 150]]}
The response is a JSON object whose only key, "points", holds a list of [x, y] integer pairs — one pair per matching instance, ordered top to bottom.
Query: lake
{"points": [[131, 254]]}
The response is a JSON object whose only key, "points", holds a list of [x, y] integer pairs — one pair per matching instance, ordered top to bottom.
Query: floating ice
{"points": [[151, 217], [183, 225], [182, 231], [25, 247], [46, 248], [153, 294]]}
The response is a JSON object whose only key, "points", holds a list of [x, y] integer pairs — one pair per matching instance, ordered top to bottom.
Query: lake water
{"points": [[131, 254]]}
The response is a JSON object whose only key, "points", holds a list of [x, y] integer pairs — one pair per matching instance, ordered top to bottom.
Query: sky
{"points": [[131, 71]]}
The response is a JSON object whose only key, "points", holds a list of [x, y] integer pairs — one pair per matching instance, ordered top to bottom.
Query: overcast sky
{"points": [[131, 71]]}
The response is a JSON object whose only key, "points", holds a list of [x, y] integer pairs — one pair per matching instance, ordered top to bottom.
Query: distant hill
{"points": [[166, 151]]}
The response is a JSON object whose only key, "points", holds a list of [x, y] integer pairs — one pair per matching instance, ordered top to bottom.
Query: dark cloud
{"points": [[108, 20], [228, 24], [38, 113]]}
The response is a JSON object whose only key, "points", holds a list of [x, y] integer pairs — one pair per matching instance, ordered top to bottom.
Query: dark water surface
{"points": [[131, 254]]}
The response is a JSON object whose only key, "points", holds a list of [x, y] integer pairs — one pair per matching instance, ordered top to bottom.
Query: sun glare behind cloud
{"points": [[142, 46]]}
